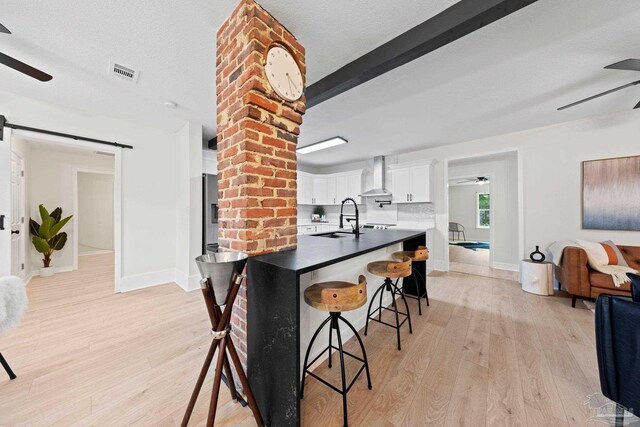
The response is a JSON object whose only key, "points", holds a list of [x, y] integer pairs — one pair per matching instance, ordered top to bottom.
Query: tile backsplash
{"points": [[332, 212], [410, 212], [416, 212]]}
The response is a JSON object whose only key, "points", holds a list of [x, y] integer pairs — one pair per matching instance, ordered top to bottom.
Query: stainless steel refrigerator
{"points": [[209, 213]]}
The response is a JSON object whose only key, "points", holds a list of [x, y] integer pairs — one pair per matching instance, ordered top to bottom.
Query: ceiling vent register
{"points": [[124, 73]]}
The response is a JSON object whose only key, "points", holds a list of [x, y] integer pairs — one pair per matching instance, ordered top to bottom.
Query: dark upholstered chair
{"points": [[456, 228], [618, 348]]}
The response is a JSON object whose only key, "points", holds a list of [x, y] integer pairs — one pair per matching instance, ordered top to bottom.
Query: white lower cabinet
{"points": [[317, 228], [307, 229]]}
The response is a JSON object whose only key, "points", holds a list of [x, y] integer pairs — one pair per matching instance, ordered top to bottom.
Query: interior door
{"points": [[5, 203], [18, 229]]}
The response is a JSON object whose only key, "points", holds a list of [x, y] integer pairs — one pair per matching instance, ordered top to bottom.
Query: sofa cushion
{"points": [[631, 254], [601, 280]]}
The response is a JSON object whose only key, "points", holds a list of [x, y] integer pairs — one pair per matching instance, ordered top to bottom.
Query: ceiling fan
{"points": [[627, 64], [21, 66], [476, 180]]}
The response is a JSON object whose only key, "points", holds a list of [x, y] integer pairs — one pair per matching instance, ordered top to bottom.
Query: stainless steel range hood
{"points": [[379, 172]]}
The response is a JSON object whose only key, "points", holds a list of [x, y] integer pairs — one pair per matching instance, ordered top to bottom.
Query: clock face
{"points": [[283, 73]]}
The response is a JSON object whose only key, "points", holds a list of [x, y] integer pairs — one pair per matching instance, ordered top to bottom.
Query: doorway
{"points": [[53, 171], [484, 209], [93, 210], [470, 221]]}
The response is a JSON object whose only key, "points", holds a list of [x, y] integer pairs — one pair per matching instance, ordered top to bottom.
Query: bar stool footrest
{"points": [[328, 384]]}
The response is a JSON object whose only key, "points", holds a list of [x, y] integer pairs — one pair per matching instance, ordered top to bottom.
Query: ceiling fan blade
{"points": [[4, 29], [627, 64], [24, 68], [573, 104]]}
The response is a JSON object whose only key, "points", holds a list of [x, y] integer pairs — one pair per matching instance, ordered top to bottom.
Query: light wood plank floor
{"points": [[462, 260], [484, 353]]}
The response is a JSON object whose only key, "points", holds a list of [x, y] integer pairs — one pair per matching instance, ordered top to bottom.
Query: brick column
{"points": [[257, 138]]}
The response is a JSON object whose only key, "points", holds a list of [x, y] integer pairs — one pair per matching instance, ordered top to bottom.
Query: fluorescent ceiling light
{"points": [[332, 142]]}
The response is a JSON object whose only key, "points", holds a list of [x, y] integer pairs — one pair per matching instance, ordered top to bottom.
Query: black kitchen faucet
{"points": [[356, 217]]}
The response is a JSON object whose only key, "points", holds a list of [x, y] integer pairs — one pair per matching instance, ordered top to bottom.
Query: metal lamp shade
{"points": [[222, 268]]}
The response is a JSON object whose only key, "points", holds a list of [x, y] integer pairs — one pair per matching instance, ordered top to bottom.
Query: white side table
{"points": [[536, 277]]}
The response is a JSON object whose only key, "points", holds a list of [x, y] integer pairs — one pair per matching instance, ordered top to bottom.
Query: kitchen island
{"points": [[280, 324]]}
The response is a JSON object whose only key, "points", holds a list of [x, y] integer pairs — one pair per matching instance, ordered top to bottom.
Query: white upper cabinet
{"points": [[411, 183], [421, 184], [348, 185], [401, 185], [305, 189], [329, 189], [319, 194], [332, 196]]}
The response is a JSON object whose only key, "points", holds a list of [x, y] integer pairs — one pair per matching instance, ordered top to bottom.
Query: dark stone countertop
{"points": [[315, 252]]}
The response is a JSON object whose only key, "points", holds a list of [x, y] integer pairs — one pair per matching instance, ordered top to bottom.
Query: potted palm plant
{"points": [[46, 237]]}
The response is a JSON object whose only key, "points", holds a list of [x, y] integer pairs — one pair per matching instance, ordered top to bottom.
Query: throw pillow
{"points": [[613, 248], [596, 253]]}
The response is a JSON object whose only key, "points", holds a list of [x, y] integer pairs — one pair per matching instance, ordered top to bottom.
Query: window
{"points": [[483, 210]]}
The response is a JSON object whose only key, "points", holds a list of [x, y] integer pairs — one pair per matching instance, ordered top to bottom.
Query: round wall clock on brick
{"points": [[283, 72]]}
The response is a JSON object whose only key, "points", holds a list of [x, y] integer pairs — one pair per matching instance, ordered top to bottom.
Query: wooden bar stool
{"points": [[420, 255], [389, 270], [336, 297]]}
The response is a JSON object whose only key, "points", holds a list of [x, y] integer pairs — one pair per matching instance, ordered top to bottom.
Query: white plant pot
{"points": [[46, 272]]}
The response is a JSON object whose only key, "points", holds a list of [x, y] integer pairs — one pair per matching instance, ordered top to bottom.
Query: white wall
{"points": [[550, 158], [189, 166], [149, 173], [51, 184], [462, 209], [95, 212]]}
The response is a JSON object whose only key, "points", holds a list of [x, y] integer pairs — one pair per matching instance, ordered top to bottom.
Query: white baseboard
{"points": [[96, 252], [440, 265], [506, 266], [56, 270], [145, 280], [188, 283]]}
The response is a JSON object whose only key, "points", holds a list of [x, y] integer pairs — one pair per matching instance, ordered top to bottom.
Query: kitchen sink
{"points": [[335, 234], [332, 235]]}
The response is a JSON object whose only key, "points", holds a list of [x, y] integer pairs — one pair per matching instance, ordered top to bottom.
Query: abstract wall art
{"points": [[611, 194]]}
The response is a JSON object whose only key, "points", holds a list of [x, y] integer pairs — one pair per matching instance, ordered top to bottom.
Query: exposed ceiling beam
{"points": [[457, 21]]}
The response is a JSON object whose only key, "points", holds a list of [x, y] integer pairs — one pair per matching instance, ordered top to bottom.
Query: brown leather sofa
{"points": [[578, 279]]}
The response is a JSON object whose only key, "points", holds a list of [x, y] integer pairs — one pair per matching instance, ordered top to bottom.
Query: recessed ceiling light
{"points": [[170, 104], [327, 143]]}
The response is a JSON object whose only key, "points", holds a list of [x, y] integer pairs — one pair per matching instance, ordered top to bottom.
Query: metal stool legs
{"points": [[418, 273], [389, 286], [333, 320], [7, 368]]}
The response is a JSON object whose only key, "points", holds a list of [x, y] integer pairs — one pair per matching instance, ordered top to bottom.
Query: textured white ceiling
{"points": [[172, 43], [509, 76], [506, 77]]}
